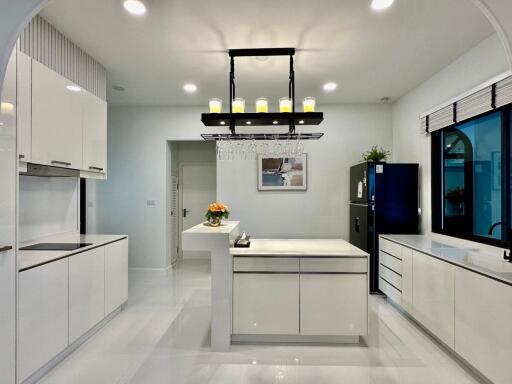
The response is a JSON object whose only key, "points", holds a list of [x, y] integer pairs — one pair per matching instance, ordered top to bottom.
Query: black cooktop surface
{"points": [[55, 246]]}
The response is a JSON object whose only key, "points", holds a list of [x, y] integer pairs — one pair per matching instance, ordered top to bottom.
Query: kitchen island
{"points": [[283, 290]]}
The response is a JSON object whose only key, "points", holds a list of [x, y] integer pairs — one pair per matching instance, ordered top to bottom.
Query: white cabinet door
{"points": [[24, 106], [56, 119], [94, 133], [8, 179], [116, 275], [86, 291], [433, 296], [406, 297], [266, 303], [333, 304], [43, 316], [483, 332]]}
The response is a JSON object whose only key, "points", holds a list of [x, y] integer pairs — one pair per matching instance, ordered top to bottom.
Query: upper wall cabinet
{"points": [[24, 106], [56, 119], [94, 133]]}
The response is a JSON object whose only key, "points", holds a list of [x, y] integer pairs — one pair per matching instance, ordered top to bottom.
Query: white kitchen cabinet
{"points": [[24, 107], [56, 119], [94, 127], [116, 275], [407, 289], [86, 291], [433, 296], [266, 303], [333, 304], [42, 316], [483, 335]]}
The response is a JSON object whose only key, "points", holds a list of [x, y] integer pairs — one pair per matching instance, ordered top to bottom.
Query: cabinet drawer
{"points": [[390, 247], [391, 262], [265, 264], [333, 265], [391, 277], [390, 291]]}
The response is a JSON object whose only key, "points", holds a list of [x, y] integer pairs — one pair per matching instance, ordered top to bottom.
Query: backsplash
{"points": [[47, 206]]}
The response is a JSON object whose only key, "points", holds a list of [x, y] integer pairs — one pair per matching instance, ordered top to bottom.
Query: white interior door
{"points": [[198, 190], [174, 219], [7, 224]]}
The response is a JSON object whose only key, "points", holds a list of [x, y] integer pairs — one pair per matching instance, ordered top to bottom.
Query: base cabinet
{"points": [[116, 275], [407, 285], [86, 291], [433, 298], [266, 303], [333, 304], [42, 316], [483, 332]]}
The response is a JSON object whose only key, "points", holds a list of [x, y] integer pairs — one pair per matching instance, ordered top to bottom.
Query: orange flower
{"points": [[217, 207]]}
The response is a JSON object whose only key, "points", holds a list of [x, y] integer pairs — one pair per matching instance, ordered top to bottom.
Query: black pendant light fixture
{"points": [[235, 119]]}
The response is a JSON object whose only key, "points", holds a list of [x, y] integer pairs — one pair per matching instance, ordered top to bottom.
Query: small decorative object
{"points": [[308, 104], [215, 105], [238, 105], [262, 105], [285, 105], [376, 154], [282, 173], [216, 212]]}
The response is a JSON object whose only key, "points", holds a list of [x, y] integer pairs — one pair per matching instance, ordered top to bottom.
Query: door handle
{"points": [[65, 163], [99, 169], [185, 212], [356, 224], [5, 248]]}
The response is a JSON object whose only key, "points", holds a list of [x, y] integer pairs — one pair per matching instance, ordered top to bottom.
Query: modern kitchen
{"points": [[200, 192]]}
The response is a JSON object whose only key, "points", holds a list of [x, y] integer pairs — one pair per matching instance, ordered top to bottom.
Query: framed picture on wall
{"points": [[286, 173]]}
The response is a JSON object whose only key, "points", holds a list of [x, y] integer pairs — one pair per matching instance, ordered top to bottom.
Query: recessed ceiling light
{"points": [[379, 5], [135, 7], [330, 86], [73, 88], [118, 88], [190, 88], [6, 107], [275, 122], [301, 122], [222, 123], [248, 123], [1, 124]]}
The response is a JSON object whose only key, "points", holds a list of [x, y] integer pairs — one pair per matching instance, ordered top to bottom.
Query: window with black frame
{"points": [[470, 193]]}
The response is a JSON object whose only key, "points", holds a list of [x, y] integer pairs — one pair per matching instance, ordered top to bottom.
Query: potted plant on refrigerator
{"points": [[376, 154]]}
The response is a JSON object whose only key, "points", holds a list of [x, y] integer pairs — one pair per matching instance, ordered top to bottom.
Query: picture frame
{"points": [[282, 173]]}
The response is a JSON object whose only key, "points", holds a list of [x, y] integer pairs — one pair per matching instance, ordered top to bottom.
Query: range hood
{"points": [[49, 171]]}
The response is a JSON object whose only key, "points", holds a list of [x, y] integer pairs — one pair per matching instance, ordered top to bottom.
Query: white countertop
{"points": [[226, 227], [299, 247], [30, 259], [478, 261]]}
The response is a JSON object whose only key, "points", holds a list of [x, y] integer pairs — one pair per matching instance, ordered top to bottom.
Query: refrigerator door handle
{"points": [[356, 224]]}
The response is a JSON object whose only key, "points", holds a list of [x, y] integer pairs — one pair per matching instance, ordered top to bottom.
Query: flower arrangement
{"points": [[376, 154], [215, 213]]}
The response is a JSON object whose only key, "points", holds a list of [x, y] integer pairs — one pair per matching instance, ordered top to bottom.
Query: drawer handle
{"points": [[61, 162], [96, 168], [5, 248]]}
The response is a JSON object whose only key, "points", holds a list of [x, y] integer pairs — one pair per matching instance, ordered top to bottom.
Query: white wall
{"points": [[483, 62], [139, 158], [48, 206], [322, 210]]}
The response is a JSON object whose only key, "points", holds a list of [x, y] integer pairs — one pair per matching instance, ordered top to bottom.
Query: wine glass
{"points": [[277, 149]]}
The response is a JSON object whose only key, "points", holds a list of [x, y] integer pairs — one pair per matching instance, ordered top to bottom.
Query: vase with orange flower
{"points": [[215, 213]]}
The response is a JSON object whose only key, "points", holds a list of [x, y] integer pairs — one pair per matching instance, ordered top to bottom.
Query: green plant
{"points": [[376, 154]]}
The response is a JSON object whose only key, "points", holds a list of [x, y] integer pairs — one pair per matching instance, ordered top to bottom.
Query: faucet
{"points": [[509, 240]]}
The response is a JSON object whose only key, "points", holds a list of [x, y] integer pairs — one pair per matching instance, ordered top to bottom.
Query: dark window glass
{"points": [[467, 173]]}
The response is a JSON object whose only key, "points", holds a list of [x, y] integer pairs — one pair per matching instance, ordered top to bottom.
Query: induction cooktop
{"points": [[55, 246]]}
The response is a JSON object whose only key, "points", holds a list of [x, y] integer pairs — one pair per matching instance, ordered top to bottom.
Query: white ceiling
{"points": [[369, 54]]}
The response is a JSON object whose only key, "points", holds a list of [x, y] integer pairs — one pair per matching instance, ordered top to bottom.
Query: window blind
{"points": [[482, 101]]}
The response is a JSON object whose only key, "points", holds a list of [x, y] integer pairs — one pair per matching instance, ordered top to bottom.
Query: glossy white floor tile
{"points": [[163, 337]]}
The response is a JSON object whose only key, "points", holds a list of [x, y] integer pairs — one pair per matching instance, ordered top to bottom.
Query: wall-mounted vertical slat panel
{"points": [[44, 43]]}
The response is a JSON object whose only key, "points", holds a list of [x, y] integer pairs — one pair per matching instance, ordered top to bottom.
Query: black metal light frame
{"points": [[240, 119]]}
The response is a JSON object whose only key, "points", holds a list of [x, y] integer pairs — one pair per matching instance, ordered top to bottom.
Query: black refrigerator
{"points": [[384, 199]]}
